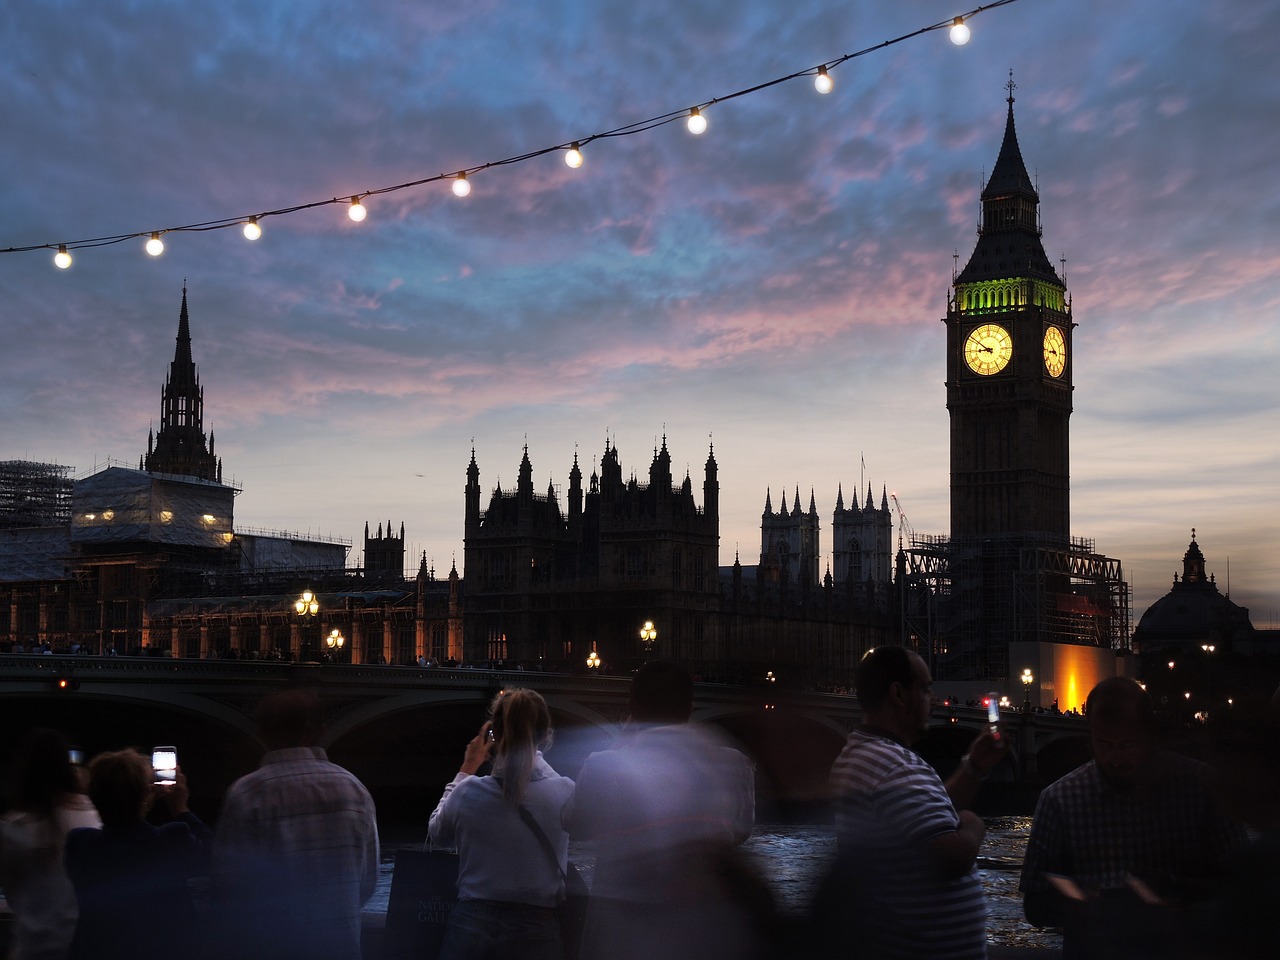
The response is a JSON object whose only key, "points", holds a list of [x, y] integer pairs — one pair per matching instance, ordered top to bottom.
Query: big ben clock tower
{"points": [[1009, 368], [1011, 577]]}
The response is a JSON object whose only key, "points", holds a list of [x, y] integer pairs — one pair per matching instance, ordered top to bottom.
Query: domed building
{"points": [[1194, 613]]}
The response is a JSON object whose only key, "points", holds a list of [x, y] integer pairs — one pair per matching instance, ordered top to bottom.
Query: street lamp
{"points": [[307, 606], [648, 636], [334, 641], [593, 658], [1027, 680]]}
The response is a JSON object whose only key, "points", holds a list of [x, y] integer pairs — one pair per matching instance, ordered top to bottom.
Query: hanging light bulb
{"points": [[959, 32], [822, 82], [697, 123], [574, 156], [461, 185], [357, 212], [251, 229], [155, 246], [62, 259]]}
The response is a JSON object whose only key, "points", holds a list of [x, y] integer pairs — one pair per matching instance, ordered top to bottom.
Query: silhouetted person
{"points": [[47, 803], [666, 809], [907, 844], [1123, 844], [296, 853], [131, 877], [508, 883]]}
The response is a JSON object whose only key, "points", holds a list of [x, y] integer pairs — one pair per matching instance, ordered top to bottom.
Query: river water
{"points": [[793, 857]]}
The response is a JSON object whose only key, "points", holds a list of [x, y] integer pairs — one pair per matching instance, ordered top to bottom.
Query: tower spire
{"points": [[180, 445]]}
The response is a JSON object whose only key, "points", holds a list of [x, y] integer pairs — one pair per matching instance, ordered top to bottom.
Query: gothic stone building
{"points": [[546, 582]]}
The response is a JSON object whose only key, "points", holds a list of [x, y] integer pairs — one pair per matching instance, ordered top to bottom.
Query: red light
{"points": [[62, 683]]}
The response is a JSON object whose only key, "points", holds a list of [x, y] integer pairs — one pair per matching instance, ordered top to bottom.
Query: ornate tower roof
{"points": [[1009, 236], [180, 446]]}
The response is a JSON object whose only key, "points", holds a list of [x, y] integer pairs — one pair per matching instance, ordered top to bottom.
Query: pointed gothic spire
{"points": [[1009, 175], [1009, 235], [180, 446], [839, 496]]}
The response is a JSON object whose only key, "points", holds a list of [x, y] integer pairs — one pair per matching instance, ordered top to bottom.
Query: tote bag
{"points": [[424, 888]]}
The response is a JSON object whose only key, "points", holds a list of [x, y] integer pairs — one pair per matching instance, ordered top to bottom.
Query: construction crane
{"points": [[903, 525]]}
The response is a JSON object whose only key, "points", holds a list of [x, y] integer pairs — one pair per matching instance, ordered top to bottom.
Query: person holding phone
{"points": [[908, 840], [1123, 846], [130, 877], [508, 886]]}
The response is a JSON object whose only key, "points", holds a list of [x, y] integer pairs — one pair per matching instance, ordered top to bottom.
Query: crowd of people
{"points": [[1135, 854]]}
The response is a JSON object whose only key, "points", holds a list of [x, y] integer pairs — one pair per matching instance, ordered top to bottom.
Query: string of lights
{"points": [[460, 180]]}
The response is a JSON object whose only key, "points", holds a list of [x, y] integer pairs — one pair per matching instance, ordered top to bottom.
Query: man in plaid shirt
{"points": [[1120, 844], [295, 853]]}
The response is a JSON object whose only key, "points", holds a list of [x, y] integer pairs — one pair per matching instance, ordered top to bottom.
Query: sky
{"points": [[773, 286]]}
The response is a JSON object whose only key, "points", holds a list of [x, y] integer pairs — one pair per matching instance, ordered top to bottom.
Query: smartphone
{"points": [[993, 713], [76, 757], [164, 760]]}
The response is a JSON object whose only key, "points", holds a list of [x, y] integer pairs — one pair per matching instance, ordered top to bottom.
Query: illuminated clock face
{"points": [[988, 348], [1055, 352]]}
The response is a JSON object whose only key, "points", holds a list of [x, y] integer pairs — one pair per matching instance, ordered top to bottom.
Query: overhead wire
{"points": [[465, 173]]}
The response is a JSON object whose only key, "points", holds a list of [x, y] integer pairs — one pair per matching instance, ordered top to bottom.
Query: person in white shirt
{"points": [[48, 803], [667, 809], [508, 886]]}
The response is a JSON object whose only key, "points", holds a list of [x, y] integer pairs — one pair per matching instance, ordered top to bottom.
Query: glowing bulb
{"points": [[959, 32], [822, 82], [697, 123], [574, 156], [461, 186], [357, 212], [251, 229], [155, 246], [62, 259]]}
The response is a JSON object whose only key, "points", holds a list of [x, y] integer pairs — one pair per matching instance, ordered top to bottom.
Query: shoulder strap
{"points": [[549, 850]]}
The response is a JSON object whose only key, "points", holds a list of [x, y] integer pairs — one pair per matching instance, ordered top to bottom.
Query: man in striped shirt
{"points": [[907, 840]]}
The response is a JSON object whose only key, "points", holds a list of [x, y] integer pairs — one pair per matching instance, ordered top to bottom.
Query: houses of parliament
{"points": [[147, 559]]}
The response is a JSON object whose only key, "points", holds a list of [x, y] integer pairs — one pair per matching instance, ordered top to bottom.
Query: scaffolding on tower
{"points": [[966, 600]]}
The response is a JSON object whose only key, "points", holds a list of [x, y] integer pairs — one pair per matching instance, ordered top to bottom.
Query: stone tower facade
{"points": [[862, 540], [790, 548]]}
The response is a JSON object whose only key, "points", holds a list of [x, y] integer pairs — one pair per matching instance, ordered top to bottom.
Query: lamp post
{"points": [[307, 606], [648, 636], [334, 641], [1208, 649], [593, 658], [1027, 680]]}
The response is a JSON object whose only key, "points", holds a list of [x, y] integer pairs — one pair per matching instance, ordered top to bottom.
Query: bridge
{"points": [[403, 729]]}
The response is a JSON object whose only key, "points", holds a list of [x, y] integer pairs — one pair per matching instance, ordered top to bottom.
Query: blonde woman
{"points": [[508, 886]]}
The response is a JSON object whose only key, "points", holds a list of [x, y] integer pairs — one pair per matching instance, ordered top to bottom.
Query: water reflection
{"points": [[792, 858]]}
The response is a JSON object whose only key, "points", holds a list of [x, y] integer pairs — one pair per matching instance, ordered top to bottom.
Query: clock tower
{"points": [[1009, 366], [1011, 577]]}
